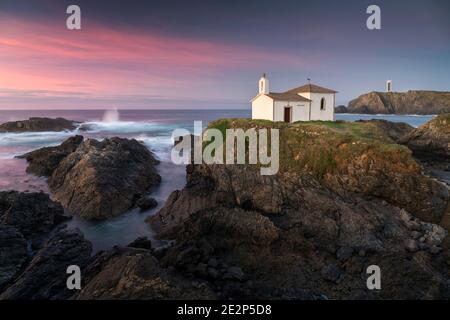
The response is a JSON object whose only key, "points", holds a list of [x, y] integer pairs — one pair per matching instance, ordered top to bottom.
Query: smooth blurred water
{"points": [[153, 127]]}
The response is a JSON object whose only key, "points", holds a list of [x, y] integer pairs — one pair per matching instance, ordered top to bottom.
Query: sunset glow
{"points": [[144, 63]]}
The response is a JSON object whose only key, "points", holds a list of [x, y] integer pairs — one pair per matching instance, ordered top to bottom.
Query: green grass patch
{"points": [[321, 147]]}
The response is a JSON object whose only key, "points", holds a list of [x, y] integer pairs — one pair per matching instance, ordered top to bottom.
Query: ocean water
{"points": [[153, 127]]}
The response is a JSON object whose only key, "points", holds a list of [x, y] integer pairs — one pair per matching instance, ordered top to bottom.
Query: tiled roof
{"points": [[311, 88], [286, 96]]}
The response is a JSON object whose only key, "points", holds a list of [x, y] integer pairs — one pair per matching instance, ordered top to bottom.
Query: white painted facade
{"points": [[310, 103], [262, 107], [318, 113]]}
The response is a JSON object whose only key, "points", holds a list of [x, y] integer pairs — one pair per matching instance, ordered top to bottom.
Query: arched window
{"points": [[322, 104]]}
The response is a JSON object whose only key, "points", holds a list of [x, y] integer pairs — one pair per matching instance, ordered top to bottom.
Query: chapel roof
{"points": [[311, 88], [287, 96]]}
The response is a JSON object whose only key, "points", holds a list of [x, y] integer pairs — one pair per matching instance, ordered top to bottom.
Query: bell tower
{"points": [[263, 85]]}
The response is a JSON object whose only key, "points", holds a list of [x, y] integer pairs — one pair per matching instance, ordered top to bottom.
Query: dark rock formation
{"points": [[411, 102], [340, 109], [38, 124], [397, 131], [431, 140], [349, 157], [43, 162], [97, 179], [104, 179], [346, 197], [146, 203], [34, 215], [287, 233], [301, 235], [141, 243], [13, 253], [31, 265], [129, 273], [45, 276]]}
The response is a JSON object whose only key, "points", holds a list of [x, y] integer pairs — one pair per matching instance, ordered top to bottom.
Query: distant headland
{"points": [[411, 102]]}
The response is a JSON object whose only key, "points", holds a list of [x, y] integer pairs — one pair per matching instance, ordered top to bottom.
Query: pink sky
{"points": [[44, 65]]}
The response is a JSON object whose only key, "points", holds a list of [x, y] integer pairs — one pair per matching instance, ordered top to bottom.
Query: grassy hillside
{"points": [[321, 147]]}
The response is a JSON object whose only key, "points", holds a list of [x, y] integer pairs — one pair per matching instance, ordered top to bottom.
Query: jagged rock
{"points": [[411, 102], [38, 124], [431, 141], [348, 158], [43, 162], [99, 179], [146, 203], [33, 214], [299, 228], [294, 229], [416, 235], [142, 243], [290, 243], [411, 245], [435, 250], [13, 253], [345, 253], [128, 273], [213, 273], [234, 273], [332, 273], [45, 276]]}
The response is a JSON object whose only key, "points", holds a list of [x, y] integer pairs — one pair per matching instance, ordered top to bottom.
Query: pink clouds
{"points": [[101, 61]]}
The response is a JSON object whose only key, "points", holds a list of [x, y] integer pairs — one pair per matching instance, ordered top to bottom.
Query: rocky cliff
{"points": [[411, 102], [431, 141], [347, 197]]}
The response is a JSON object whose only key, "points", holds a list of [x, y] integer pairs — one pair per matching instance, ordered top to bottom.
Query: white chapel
{"points": [[306, 103]]}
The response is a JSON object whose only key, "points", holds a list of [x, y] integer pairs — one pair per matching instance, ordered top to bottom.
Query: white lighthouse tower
{"points": [[263, 85], [389, 86]]}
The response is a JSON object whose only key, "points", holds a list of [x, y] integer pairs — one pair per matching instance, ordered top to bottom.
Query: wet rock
{"points": [[38, 124], [430, 142], [42, 162], [103, 179], [146, 203], [33, 214], [413, 225], [416, 235], [142, 243], [411, 245], [435, 250], [13, 253], [344, 253], [213, 263], [129, 273], [213, 273], [234, 273], [332, 273], [45, 276]]}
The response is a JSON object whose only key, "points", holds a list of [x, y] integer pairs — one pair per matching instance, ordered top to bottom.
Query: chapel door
{"points": [[287, 114]]}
